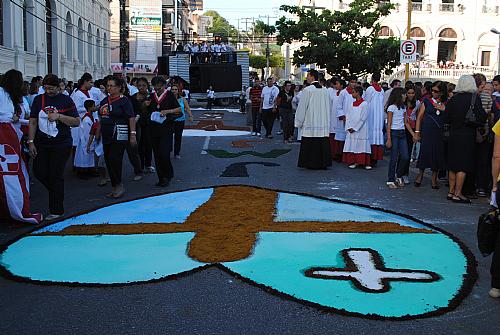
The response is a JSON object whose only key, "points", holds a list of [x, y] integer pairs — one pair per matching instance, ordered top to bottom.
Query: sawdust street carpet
{"points": [[335, 256]]}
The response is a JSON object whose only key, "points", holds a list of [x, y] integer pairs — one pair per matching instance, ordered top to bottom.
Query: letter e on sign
{"points": [[408, 51]]}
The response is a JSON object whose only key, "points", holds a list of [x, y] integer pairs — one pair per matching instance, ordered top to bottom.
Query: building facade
{"points": [[155, 28], [457, 31], [64, 37]]}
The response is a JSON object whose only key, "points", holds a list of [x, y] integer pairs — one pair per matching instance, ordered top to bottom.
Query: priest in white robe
{"points": [[344, 102], [312, 118]]}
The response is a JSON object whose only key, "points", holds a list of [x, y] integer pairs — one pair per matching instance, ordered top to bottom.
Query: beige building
{"points": [[64, 37]]}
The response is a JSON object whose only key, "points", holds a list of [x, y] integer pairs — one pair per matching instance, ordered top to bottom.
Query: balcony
{"points": [[416, 6], [447, 7], [490, 9]]}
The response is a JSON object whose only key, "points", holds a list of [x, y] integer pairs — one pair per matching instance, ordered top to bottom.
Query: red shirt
{"points": [[255, 93]]}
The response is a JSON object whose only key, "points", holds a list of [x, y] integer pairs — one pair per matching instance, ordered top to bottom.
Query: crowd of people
{"points": [[427, 123], [93, 125]]}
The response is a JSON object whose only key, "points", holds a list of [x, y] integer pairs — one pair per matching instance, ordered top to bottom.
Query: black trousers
{"points": [[210, 102], [256, 120], [268, 121], [288, 123], [178, 129], [409, 142], [144, 145], [162, 147], [113, 156], [133, 157], [48, 167]]}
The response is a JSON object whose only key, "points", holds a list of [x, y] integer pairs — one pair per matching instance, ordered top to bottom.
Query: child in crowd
{"points": [[397, 122], [95, 147], [357, 149], [84, 161]]}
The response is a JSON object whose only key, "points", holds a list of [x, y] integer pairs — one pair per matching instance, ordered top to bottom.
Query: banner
{"points": [[145, 18]]}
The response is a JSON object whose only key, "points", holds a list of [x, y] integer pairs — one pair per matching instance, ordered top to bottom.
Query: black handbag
{"points": [[471, 118], [488, 227]]}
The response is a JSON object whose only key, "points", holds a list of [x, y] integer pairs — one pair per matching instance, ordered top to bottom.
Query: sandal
{"points": [[392, 185], [450, 196], [459, 200]]}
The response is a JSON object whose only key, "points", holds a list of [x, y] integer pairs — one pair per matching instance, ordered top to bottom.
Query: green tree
{"points": [[220, 25], [344, 43], [258, 62]]}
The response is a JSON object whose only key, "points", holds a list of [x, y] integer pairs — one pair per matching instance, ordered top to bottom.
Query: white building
{"points": [[449, 30], [64, 37]]}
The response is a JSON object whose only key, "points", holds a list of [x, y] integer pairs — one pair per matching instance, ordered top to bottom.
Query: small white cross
{"points": [[7, 159], [366, 269]]}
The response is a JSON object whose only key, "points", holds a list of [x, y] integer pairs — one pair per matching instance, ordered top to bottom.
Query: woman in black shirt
{"points": [[164, 109], [117, 130], [50, 142]]}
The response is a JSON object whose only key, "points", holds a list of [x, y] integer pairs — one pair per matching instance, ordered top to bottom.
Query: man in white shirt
{"points": [[210, 97], [268, 106]]}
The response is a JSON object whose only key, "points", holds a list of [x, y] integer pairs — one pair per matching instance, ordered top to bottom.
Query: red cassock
{"points": [[14, 178]]}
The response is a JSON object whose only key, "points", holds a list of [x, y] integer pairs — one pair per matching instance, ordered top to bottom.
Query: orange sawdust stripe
{"points": [[227, 225]]}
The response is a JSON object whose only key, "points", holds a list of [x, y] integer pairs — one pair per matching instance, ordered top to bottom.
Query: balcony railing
{"points": [[447, 7], [490, 9]]}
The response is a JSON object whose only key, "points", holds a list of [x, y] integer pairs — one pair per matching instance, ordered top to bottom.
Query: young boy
{"points": [[357, 149], [84, 161]]}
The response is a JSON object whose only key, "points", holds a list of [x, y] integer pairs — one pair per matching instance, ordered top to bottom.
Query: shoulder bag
{"points": [[471, 118]]}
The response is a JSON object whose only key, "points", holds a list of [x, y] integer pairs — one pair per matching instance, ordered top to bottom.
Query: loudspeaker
{"points": [[163, 66]]}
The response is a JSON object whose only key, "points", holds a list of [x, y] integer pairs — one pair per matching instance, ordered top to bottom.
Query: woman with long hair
{"points": [[412, 103], [52, 115], [180, 122], [429, 130], [117, 131], [14, 178]]}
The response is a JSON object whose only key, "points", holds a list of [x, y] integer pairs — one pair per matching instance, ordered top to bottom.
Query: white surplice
{"points": [[344, 100], [313, 113], [376, 114], [357, 118], [82, 158]]}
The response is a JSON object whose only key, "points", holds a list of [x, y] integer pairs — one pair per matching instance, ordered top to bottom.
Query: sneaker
{"points": [[280, 132], [254, 133], [258, 134], [177, 156], [352, 166], [368, 167], [150, 169], [137, 177], [406, 180], [400, 182], [391, 184], [482, 193], [52, 217], [494, 293]]}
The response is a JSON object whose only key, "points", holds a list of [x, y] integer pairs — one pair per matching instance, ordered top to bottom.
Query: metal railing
{"points": [[416, 6], [490, 9], [436, 73]]}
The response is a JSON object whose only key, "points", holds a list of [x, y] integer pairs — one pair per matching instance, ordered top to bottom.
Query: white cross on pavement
{"points": [[7, 159], [366, 269]]}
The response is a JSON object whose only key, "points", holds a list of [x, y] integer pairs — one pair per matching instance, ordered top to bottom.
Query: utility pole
{"points": [[408, 36], [123, 38], [268, 53]]}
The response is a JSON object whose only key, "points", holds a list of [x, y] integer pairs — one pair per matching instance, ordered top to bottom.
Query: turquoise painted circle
{"points": [[278, 260]]}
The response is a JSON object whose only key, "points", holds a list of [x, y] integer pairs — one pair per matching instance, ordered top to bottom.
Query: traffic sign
{"points": [[408, 51]]}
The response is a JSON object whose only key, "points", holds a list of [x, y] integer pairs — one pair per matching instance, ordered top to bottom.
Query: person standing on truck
{"points": [[210, 97], [268, 106]]}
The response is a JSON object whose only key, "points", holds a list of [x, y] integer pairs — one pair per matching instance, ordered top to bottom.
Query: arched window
{"points": [[25, 26], [386, 32], [417, 32], [448, 33], [69, 37], [81, 37], [105, 47], [98, 48], [90, 49]]}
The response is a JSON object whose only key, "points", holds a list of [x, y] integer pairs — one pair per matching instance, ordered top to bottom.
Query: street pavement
{"points": [[212, 301]]}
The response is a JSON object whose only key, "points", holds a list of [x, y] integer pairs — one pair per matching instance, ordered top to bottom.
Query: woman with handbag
{"points": [[164, 109], [464, 112], [117, 130], [429, 131]]}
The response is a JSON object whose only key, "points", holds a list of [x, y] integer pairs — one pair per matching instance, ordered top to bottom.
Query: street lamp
{"points": [[495, 31]]}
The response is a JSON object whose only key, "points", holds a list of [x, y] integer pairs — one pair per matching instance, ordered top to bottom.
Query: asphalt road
{"points": [[214, 302]]}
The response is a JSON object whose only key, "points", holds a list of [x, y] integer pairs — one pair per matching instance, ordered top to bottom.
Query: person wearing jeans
{"points": [[397, 121], [179, 123]]}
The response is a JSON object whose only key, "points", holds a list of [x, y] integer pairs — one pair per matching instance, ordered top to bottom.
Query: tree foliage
{"points": [[220, 25], [344, 43], [258, 62]]}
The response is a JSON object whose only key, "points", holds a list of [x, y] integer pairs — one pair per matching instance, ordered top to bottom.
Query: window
{"points": [[1, 22], [25, 26], [386, 32], [417, 32], [448, 33], [48, 34], [69, 38], [80, 40], [98, 48], [90, 49], [485, 58]]}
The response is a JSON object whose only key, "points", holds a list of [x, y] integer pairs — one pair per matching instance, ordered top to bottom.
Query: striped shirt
{"points": [[255, 93]]}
